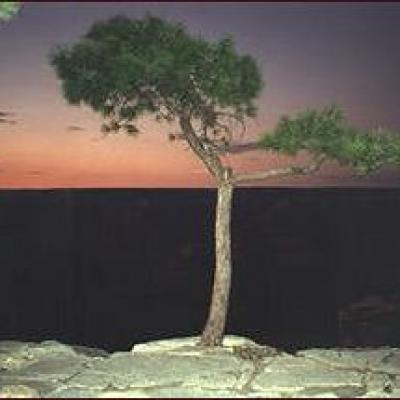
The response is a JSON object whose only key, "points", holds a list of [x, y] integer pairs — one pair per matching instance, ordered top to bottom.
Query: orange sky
{"points": [[42, 155], [87, 159]]}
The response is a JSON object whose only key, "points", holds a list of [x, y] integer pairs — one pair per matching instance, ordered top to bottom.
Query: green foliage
{"points": [[8, 9], [125, 68], [327, 133]]}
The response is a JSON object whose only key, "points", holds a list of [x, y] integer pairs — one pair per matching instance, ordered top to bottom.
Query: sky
{"points": [[310, 54]]}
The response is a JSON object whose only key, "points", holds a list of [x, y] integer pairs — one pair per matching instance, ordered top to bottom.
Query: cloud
{"points": [[6, 113], [4, 117], [7, 121], [75, 128], [198, 171], [35, 173]]}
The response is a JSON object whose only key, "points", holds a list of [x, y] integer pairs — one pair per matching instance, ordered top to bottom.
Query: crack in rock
{"points": [[258, 355], [339, 366], [368, 373]]}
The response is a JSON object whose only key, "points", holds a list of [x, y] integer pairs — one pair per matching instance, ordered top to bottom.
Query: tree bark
{"points": [[215, 327]]}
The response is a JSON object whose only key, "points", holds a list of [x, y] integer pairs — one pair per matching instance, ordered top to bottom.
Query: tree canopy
{"points": [[8, 9], [125, 68], [327, 134]]}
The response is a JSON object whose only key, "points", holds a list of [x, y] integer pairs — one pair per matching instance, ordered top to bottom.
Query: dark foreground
{"points": [[110, 268]]}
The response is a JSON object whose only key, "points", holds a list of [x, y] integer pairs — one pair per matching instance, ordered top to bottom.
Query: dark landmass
{"points": [[109, 268]]}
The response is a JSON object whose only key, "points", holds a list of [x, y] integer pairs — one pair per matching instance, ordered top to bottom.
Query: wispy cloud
{"points": [[6, 113], [4, 117], [7, 121], [75, 128], [198, 171], [35, 173]]}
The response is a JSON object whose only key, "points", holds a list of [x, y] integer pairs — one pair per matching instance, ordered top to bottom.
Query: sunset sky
{"points": [[311, 55]]}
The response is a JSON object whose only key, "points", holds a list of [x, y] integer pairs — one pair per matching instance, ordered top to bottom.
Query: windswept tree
{"points": [[8, 9], [125, 69], [327, 136]]}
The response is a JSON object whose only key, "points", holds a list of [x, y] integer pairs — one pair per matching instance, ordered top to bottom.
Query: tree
{"points": [[8, 9], [124, 69], [327, 135]]}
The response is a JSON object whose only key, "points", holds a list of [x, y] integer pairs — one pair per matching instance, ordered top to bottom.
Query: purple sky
{"points": [[311, 55]]}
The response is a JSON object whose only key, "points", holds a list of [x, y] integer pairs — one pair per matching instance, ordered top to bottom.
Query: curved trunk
{"points": [[215, 327]]}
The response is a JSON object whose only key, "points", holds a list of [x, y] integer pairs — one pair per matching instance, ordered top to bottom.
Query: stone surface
{"points": [[189, 345], [13, 355], [358, 358], [49, 368], [176, 368], [218, 371], [300, 375], [41, 387], [17, 391], [73, 393], [170, 393]]}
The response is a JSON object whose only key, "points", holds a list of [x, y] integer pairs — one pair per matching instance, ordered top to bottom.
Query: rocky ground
{"points": [[179, 368]]}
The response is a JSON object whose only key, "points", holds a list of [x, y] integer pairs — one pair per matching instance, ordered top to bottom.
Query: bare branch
{"points": [[242, 148], [279, 172]]}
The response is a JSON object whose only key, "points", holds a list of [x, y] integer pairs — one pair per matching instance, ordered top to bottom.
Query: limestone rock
{"points": [[189, 345], [49, 347], [13, 355], [383, 359], [179, 367], [51, 369], [147, 370], [294, 376], [17, 392]]}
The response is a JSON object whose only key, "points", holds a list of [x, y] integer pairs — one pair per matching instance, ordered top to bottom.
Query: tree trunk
{"points": [[215, 327]]}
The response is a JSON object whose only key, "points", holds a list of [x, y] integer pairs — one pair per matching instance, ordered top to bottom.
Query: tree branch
{"points": [[242, 148], [207, 156], [279, 172]]}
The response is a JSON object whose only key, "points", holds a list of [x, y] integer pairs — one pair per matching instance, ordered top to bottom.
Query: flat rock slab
{"points": [[183, 345], [13, 347], [14, 355], [379, 359], [50, 369], [123, 370], [294, 375], [42, 387], [17, 391], [72, 393], [172, 393]]}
